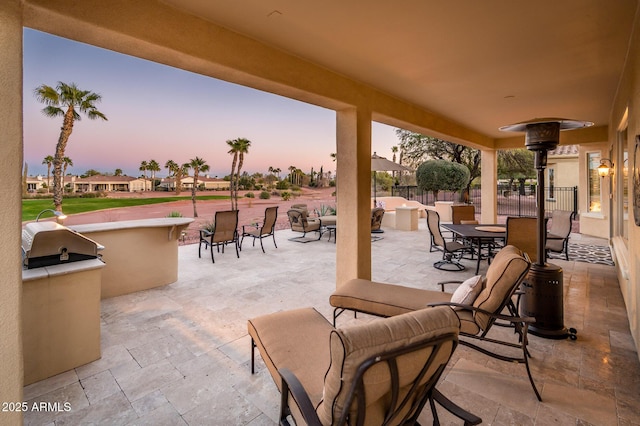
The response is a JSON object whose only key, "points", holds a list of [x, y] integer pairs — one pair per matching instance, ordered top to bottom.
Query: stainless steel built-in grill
{"points": [[49, 243]]}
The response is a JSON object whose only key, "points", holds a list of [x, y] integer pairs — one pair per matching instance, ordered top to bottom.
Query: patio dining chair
{"points": [[463, 214], [262, 230], [225, 231], [522, 232], [558, 233], [452, 251]]}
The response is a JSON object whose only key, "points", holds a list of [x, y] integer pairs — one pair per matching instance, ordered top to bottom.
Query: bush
{"points": [[442, 175], [282, 184], [275, 193], [250, 195], [264, 195], [286, 196], [174, 214], [209, 226]]}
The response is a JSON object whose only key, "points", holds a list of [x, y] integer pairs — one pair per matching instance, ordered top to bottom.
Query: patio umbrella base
{"points": [[543, 301]]}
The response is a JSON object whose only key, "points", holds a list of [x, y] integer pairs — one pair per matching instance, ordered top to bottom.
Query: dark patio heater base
{"points": [[543, 285], [543, 300]]}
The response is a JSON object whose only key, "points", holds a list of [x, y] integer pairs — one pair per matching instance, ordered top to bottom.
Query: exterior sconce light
{"points": [[605, 169], [57, 214]]}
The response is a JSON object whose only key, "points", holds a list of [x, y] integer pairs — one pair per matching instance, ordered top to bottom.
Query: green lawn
{"points": [[31, 208]]}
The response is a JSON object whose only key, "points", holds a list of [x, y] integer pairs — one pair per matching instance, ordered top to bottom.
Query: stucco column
{"points": [[489, 183], [353, 252], [11, 365]]}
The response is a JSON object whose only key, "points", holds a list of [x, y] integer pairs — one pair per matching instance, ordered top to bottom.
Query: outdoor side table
{"points": [[407, 218]]}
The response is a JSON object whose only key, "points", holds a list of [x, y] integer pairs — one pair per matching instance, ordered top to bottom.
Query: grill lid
{"points": [[49, 243]]}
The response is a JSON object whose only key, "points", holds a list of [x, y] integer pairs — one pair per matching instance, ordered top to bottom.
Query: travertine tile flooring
{"points": [[180, 354]]}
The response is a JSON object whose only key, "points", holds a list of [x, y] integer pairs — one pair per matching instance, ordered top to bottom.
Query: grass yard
{"points": [[31, 208]]}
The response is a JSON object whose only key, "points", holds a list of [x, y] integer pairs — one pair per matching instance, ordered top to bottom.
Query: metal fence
{"points": [[512, 200]]}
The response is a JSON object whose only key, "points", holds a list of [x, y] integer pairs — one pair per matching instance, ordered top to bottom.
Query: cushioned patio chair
{"points": [[300, 222], [376, 222], [262, 230], [225, 231], [558, 234], [451, 250], [479, 304], [381, 372]]}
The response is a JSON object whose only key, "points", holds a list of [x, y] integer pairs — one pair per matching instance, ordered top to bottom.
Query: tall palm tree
{"points": [[67, 101], [243, 148], [394, 149], [233, 151], [48, 160], [198, 165], [153, 167], [292, 170], [173, 171], [118, 172], [277, 172]]}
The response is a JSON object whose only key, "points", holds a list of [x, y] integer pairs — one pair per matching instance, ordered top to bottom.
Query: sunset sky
{"points": [[162, 113]]}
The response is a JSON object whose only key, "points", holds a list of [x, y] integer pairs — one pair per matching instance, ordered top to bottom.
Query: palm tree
{"points": [[66, 101], [239, 147], [394, 149], [48, 160], [198, 165], [144, 166], [153, 167], [292, 170], [118, 172], [177, 172], [277, 172]]}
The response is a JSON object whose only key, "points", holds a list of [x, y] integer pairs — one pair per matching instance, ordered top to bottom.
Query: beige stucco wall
{"points": [[629, 97], [566, 171], [594, 224], [139, 254], [11, 366]]}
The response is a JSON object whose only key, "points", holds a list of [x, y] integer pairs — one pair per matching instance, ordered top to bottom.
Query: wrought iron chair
{"points": [[376, 222], [301, 223], [263, 230], [225, 231], [522, 232], [558, 234], [451, 250], [380, 372]]}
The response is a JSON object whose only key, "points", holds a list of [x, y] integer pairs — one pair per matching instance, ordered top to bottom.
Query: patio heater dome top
{"points": [[565, 124], [543, 134]]}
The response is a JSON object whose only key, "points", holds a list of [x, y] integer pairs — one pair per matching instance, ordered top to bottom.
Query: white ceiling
{"points": [[483, 64]]}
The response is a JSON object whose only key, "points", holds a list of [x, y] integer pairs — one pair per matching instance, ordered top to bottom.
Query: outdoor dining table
{"points": [[478, 235]]}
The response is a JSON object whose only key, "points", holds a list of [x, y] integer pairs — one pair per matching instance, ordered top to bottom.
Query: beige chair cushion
{"points": [[507, 269], [382, 299], [297, 340], [351, 346]]}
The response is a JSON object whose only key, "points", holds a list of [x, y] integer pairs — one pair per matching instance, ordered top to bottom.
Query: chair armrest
{"points": [[256, 226], [204, 233], [442, 283], [509, 318], [291, 385], [456, 410]]}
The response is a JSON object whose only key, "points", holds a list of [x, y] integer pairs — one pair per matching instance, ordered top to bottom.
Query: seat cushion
{"points": [[383, 299], [297, 340], [351, 346]]}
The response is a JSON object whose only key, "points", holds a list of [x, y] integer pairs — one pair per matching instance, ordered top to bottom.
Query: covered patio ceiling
{"points": [[482, 64]]}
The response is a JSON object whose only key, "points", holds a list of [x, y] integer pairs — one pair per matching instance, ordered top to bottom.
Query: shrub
{"points": [[442, 175], [282, 184], [250, 195], [264, 195], [286, 195], [174, 214], [208, 226]]}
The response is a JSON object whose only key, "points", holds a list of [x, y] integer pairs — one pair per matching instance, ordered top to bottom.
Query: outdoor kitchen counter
{"points": [[139, 254], [60, 318]]}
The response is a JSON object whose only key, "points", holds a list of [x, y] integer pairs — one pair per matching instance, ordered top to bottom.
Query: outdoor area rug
{"points": [[586, 253]]}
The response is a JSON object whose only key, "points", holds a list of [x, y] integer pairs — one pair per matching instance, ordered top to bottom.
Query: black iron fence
{"points": [[519, 200]]}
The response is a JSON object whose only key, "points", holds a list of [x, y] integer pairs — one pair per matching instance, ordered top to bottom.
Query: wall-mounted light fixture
{"points": [[605, 168], [57, 214]]}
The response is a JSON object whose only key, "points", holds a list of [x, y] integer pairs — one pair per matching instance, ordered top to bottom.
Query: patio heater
{"points": [[544, 284]]}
